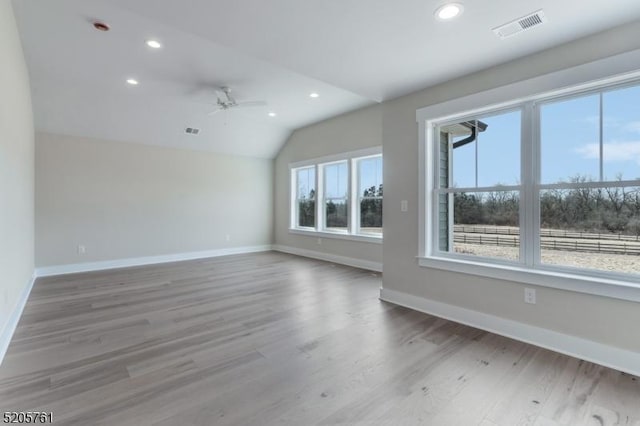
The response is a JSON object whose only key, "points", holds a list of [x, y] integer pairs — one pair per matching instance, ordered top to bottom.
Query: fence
{"points": [[544, 232], [568, 244]]}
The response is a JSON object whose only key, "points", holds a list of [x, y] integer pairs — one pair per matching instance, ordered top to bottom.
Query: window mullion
{"points": [[601, 135], [477, 145], [529, 164], [450, 197], [534, 206], [293, 210], [320, 220], [353, 223]]}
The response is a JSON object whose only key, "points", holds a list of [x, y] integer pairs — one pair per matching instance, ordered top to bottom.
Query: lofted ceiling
{"points": [[352, 53]]}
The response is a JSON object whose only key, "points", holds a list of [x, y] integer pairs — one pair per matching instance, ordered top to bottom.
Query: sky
{"points": [[570, 134]]}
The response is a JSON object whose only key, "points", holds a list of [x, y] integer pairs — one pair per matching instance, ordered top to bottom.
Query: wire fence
{"points": [[544, 232], [551, 243]]}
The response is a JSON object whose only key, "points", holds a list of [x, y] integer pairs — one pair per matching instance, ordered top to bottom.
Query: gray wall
{"points": [[349, 132], [16, 169], [125, 200], [597, 318]]}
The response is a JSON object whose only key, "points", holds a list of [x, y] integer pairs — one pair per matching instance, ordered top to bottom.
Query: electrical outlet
{"points": [[404, 206], [227, 237], [320, 241], [81, 249], [530, 296]]}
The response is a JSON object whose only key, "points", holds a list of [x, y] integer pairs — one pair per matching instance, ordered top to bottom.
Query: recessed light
{"points": [[449, 11], [101, 26], [155, 44], [132, 81], [314, 95], [272, 114]]}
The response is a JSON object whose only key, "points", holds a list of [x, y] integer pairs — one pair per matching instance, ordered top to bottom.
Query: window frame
{"points": [[321, 167], [436, 191], [358, 198], [296, 200], [320, 230], [530, 269]]}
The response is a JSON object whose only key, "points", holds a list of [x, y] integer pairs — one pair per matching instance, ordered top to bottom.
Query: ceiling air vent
{"points": [[521, 24], [192, 131]]}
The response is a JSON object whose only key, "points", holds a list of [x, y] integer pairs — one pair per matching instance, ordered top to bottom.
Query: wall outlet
{"points": [[404, 206], [227, 237], [320, 241], [81, 249], [530, 296]]}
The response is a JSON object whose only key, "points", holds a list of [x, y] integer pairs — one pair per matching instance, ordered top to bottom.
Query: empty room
{"points": [[296, 212]]}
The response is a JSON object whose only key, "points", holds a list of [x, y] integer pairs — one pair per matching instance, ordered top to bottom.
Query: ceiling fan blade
{"points": [[221, 95], [250, 104], [215, 111]]}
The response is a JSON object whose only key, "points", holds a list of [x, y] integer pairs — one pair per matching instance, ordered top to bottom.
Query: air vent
{"points": [[521, 24], [192, 131]]}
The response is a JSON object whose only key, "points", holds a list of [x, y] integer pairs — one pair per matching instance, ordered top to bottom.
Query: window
{"points": [[590, 181], [552, 183], [478, 186], [336, 196], [339, 196], [305, 202], [369, 203]]}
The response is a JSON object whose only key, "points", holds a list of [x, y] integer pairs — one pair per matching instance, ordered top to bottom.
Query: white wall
{"points": [[349, 132], [16, 171], [125, 200], [600, 319]]}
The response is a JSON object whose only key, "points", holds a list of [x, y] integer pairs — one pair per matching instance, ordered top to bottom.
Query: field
{"points": [[605, 252]]}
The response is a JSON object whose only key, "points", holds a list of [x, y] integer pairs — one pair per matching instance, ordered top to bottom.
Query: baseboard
{"points": [[343, 260], [48, 271], [14, 318], [588, 350]]}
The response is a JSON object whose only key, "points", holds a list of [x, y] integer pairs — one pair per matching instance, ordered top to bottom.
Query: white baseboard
{"points": [[343, 260], [47, 271], [12, 322], [588, 350]]}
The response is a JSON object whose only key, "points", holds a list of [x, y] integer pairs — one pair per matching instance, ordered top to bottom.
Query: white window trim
{"points": [[624, 68], [320, 230]]}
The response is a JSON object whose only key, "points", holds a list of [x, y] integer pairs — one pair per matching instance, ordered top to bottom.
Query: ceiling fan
{"points": [[226, 101]]}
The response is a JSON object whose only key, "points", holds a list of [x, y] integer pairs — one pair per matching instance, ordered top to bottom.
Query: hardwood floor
{"points": [[270, 338]]}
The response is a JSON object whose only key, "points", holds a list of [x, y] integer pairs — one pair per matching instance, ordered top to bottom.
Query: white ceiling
{"points": [[352, 52]]}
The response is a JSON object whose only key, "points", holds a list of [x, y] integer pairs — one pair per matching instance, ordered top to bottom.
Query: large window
{"points": [[552, 183], [479, 185], [336, 196], [339, 196], [305, 201], [369, 203]]}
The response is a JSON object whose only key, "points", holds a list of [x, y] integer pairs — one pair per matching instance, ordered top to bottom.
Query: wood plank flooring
{"points": [[269, 338]]}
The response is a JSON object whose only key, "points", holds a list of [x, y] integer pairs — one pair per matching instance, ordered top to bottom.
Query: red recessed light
{"points": [[100, 26]]}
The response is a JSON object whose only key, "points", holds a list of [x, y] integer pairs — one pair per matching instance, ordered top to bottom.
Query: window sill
{"points": [[351, 237], [624, 290]]}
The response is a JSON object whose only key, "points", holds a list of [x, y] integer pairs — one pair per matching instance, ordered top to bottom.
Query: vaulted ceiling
{"points": [[352, 53]]}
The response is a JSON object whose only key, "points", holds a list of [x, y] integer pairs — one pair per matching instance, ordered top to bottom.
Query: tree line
{"points": [[599, 210], [337, 212]]}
